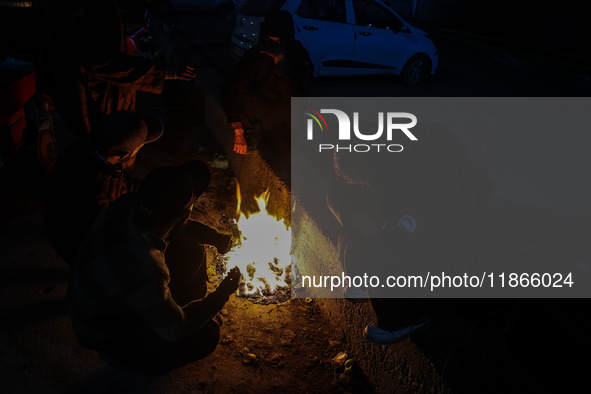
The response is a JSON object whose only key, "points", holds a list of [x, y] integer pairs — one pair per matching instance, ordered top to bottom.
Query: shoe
{"points": [[356, 295], [375, 334]]}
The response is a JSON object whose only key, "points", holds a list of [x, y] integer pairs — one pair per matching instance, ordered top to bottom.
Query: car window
{"points": [[326, 10], [369, 13]]}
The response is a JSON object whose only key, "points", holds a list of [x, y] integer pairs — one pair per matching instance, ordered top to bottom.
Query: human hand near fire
{"points": [[187, 74], [240, 145], [113, 186], [224, 243], [230, 283]]}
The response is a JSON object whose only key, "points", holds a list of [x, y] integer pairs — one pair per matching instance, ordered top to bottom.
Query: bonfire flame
{"points": [[263, 251]]}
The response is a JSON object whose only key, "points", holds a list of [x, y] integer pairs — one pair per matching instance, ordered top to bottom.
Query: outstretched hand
{"points": [[188, 74], [240, 144], [224, 243], [230, 283]]}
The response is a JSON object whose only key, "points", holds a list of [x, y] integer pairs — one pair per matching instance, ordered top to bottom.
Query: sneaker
{"points": [[356, 294], [375, 334]]}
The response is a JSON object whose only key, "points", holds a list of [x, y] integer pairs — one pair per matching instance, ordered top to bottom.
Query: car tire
{"points": [[416, 70]]}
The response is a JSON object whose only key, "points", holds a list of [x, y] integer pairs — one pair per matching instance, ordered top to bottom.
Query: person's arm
{"points": [[125, 69], [233, 93], [106, 189], [205, 235], [153, 303], [202, 311]]}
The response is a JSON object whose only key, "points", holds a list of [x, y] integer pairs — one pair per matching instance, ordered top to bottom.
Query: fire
{"points": [[263, 251]]}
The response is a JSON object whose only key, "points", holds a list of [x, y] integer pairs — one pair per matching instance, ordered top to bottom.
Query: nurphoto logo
{"points": [[390, 119]]}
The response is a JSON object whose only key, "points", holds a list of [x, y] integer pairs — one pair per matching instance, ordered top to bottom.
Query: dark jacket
{"points": [[257, 74], [119, 293]]}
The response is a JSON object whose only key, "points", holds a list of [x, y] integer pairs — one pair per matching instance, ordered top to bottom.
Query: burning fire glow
{"points": [[263, 251]]}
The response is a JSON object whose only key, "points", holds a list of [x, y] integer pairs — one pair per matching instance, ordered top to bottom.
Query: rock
{"points": [[227, 339], [285, 342], [334, 343], [249, 358], [340, 359]]}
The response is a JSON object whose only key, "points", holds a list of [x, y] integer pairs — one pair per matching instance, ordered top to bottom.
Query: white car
{"points": [[348, 37]]}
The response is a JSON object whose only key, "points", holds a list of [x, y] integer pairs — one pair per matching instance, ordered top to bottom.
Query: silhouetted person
{"points": [[110, 75], [257, 97], [92, 173], [422, 217], [122, 296]]}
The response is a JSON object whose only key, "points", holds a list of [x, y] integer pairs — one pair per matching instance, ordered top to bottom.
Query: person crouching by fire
{"points": [[421, 210], [124, 300]]}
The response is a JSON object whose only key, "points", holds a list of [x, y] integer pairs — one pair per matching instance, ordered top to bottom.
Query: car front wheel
{"points": [[415, 70]]}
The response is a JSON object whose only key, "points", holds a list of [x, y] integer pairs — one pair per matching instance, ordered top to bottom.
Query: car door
{"points": [[323, 28], [380, 41]]}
